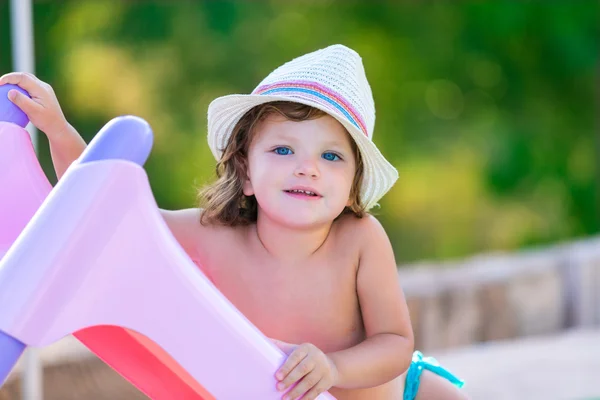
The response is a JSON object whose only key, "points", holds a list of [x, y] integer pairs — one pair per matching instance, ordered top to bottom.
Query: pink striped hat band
{"points": [[320, 94]]}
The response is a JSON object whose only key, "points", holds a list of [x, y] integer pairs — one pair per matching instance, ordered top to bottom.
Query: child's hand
{"points": [[42, 109], [308, 366]]}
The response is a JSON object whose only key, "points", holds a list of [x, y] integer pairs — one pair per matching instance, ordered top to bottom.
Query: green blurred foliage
{"points": [[486, 108]]}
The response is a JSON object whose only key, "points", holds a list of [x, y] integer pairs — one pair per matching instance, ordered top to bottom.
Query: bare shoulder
{"points": [[181, 218], [360, 230], [190, 233], [368, 236], [359, 237]]}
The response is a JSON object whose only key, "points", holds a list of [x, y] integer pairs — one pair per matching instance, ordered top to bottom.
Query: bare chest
{"points": [[314, 302]]}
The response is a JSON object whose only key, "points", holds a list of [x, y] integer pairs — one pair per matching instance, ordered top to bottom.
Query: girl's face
{"points": [[301, 173]]}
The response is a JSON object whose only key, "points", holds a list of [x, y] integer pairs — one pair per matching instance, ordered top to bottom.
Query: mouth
{"points": [[303, 193]]}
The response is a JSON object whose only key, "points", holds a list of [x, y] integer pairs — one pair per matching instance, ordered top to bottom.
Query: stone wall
{"points": [[501, 296]]}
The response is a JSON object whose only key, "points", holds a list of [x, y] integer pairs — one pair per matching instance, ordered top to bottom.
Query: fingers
{"points": [[17, 78], [26, 81], [28, 106], [41, 106], [292, 361], [305, 367], [309, 369], [308, 385], [316, 390]]}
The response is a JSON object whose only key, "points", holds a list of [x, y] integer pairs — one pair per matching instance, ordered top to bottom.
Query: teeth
{"points": [[303, 192]]}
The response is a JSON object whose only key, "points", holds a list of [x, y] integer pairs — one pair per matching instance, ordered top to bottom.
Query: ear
{"points": [[247, 186]]}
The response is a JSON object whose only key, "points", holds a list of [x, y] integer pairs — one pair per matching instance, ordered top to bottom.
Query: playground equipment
{"points": [[93, 257]]}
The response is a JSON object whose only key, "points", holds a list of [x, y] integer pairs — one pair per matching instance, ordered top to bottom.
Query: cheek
{"points": [[273, 166], [351, 175], [265, 176], [345, 179]]}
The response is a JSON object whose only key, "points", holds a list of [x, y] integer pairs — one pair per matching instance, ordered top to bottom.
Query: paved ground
{"points": [[561, 367]]}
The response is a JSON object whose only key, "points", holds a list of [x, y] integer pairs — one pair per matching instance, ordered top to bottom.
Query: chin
{"points": [[299, 215], [299, 219]]}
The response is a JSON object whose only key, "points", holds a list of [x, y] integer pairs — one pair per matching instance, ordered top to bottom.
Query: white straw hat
{"points": [[331, 79]]}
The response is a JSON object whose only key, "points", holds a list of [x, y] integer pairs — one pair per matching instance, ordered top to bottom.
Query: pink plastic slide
{"points": [[94, 258]]}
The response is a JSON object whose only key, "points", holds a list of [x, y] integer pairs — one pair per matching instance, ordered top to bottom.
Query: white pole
{"points": [[22, 45], [23, 61]]}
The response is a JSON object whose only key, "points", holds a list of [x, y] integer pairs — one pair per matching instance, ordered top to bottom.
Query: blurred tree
{"points": [[486, 108]]}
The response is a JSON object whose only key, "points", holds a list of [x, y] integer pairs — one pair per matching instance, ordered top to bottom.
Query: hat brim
{"points": [[225, 112]]}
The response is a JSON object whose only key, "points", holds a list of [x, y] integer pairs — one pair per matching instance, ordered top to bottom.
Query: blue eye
{"points": [[282, 151], [331, 156]]}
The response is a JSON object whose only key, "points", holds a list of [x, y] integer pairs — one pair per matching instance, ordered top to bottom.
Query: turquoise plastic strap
{"points": [[413, 376]]}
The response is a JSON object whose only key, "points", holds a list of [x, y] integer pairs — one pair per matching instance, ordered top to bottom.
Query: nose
{"points": [[307, 168]]}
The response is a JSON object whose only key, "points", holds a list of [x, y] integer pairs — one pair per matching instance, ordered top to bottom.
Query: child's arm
{"points": [[43, 110], [66, 145], [65, 148], [387, 351], [385, 354]]}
